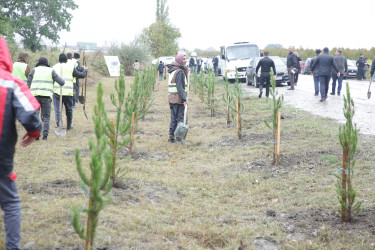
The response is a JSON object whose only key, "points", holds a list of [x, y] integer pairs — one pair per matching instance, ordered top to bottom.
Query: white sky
{"points": [[212, 23]]}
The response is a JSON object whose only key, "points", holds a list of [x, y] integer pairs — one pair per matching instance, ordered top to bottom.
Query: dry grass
{"points": [[211, 193]]}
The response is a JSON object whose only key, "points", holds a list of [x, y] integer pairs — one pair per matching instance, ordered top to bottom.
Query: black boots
{"points": [[69, 126], [171, 139]]}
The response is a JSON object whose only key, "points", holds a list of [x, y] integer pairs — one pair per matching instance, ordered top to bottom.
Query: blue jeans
{"points": [[339, 80], [316, 84]]}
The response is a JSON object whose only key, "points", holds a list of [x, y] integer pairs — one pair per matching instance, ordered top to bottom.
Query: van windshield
{"points": [[242, 52]]}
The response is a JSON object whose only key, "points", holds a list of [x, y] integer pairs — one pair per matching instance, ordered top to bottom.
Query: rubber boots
{"points": [[69, 126]]}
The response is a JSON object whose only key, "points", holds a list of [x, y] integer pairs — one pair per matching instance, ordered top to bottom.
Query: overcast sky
{"points": [[212, 23]]}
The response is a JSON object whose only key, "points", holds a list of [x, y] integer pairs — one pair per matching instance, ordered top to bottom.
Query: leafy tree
{"points": [[162, 11], [33, 20], [5, 27], [161, 38], [274, 46]]}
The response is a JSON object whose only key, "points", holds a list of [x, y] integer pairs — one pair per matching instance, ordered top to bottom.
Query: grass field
{"points": [[215, 192]]}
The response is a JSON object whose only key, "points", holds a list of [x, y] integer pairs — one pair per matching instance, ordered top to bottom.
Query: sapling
{"points": [[210, 79], [227, 96], [237, 105], [276, 105], [348, 140], [98, 184]]}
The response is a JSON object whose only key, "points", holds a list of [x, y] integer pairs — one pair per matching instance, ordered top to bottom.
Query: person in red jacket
{"points": [[16, 102]]}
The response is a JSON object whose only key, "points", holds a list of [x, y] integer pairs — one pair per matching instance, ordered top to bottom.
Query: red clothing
{"points": [[16, 102]]}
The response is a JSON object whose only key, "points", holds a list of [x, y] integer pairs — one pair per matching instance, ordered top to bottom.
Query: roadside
{"points": [[303, 98]]}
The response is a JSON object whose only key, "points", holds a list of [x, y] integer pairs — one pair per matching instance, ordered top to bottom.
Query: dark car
{"points": [[306, 69], [352, 69], [253, 79]]}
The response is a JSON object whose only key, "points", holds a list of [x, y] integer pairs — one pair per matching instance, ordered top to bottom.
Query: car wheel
{"points": [[255, 81]]}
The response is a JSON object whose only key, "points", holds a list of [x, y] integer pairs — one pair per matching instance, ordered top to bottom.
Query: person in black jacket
{"points": [[266, 64], [291, 64], [324, 64], [360, 64], [372, 68], [298, 69], [161, 70], [316, 72]]}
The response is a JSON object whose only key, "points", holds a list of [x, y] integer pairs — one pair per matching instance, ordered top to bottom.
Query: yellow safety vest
{"points": [[74, 62], [19, 69], [65, 71], [42, 83], [172, 87]]}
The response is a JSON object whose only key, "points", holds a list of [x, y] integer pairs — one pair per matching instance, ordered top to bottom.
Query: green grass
{"points": [[211, 193]]}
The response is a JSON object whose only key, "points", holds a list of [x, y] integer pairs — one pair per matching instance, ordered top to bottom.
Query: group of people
{"points": [[362, 67], [23, 93]]}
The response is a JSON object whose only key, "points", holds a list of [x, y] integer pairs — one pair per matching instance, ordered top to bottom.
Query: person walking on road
{"points": [[215, 62], [266, 64], [291, 64], [324, 64], [342, 64], [360, 64], [372, 68], [21, 69], [298, 69], [161, 70], [316, 72], [40, 82], [177, 88], [16, 103]]}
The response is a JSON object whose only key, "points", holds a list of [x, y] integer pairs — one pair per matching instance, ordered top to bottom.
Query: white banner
{"points": [[113, 65]]}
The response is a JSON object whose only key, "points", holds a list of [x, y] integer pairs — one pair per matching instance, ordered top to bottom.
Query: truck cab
{"points": [[237, 55]]}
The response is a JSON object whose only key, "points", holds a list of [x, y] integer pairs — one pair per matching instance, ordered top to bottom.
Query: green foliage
{"points": [[162, 11], [35, 20], [6, 29], [161, 38], [128, 53], [211, 92], [236, 94], [227, 99], [276, 106], [348, 139], [98, 185]]}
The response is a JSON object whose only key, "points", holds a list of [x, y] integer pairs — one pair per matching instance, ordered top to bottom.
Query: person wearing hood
{"points": [[21, 69], [68, 72], [40, 82], [177, 88], [16, 103]]}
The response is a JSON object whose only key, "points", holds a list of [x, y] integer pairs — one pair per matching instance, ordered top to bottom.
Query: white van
{"points": [[237, 55]]}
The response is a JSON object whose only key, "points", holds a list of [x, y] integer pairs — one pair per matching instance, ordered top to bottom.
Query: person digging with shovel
{"points": [[177, 88]]}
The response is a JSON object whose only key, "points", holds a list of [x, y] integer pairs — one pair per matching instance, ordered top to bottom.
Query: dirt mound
{"points": [[57, 187]]}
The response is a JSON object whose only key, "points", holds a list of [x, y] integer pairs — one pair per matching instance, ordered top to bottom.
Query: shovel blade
{"points": [[368, 95], [81, 99], [181, 130], [60, 131]]}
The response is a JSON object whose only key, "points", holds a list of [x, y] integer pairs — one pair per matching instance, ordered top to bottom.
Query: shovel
{"points": [[369, 92], [81, 98], [182, 127], [59, 130]]}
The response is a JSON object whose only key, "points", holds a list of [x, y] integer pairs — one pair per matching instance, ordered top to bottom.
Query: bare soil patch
{"points": [[57, 187]]}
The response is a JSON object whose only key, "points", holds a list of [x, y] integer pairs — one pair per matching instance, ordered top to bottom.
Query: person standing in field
{"points": [[75, 62], [325, 63], [266, 64], [291, 64], [342, 64], [360, 64], [199, 65], [136, 66], [298, 68], [365, 68], [21, 69], [161, 70], [68, 72], [316, 72], [40, 82], [177, 88], [16, 103]]}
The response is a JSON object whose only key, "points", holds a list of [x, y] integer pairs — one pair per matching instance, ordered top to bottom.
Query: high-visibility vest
{"points": [[74, 62], [19, 69], [65, 71], [42, 83], [172, 87]]}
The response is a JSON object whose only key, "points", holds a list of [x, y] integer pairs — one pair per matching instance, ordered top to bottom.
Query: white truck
{"points": [[237, 55]]}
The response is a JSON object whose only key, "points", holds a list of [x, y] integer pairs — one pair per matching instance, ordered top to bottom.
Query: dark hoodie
{"points": [[16, 102]]}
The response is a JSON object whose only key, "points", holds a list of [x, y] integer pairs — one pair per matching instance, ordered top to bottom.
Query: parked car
{"points": [[306, 69], [352, 69], [281, 71]]}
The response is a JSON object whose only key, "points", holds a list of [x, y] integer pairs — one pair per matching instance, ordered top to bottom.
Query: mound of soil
{"points": [[57, 187]]}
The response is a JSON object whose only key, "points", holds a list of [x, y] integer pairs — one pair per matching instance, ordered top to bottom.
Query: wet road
{"points": [[303, 98]]}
